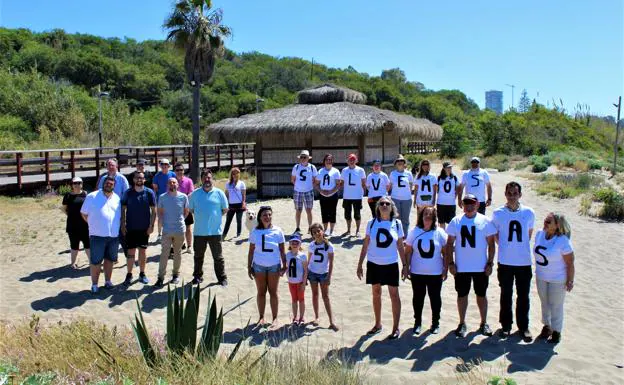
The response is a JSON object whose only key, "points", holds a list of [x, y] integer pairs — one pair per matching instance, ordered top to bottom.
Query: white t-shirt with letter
{"points": [[304, 177], [328, 178], [352, 182], [474, 183], [377, 184], [401, 185], [424, 189], [447, 191], [266, 241], [471, 245], [514, 245], [382, 247], [427, 247], [319, 257], [294, 263], [549, 263]]}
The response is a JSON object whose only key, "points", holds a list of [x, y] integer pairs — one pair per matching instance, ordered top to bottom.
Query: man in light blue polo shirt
{"points": [[121, 183], [208, 204]]}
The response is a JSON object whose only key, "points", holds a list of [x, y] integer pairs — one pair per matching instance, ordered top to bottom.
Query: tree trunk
{"points": [[195, 147]]}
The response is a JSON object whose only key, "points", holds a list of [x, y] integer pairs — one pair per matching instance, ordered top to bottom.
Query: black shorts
{"points": [[356, 205], [481, 209], [446, 213], [189, 220], [75, 237], [137, 239], [382, 274], [462, 283]]}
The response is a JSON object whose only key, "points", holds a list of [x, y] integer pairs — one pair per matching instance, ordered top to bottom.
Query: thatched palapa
{"points": [[326, 119]]}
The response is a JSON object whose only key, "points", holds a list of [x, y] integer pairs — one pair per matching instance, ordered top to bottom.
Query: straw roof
{"points": [[320, 114]]}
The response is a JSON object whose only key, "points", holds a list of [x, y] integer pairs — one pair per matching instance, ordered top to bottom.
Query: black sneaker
{"points": [[297, 230], [184, 246], [143, 279], [128, 280], [175, 280], [197, 280], [159, 282], [224, 283], [417, 329], [435, 329], [461, 330], [485, 330], [546, 332], [504, 333], [525, 335], [555, 338]]}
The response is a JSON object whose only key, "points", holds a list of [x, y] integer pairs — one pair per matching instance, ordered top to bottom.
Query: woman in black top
{"points": [[76, 227]]}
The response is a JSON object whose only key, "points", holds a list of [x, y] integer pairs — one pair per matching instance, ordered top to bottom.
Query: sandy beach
{"points": [[35, 278]]}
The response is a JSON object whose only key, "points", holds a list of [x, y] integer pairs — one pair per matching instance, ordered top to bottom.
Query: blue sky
{"points": [[570, 50]]}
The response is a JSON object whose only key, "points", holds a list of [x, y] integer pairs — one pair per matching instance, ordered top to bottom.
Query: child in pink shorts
{"points": [[297, 276]]}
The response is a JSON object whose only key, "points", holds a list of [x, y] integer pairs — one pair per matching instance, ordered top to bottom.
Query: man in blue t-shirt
{"points": [[159, 185], [208, 204], [138, 213]]}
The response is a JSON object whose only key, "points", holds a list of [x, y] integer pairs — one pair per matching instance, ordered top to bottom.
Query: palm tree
{"points": [[193, 26]]}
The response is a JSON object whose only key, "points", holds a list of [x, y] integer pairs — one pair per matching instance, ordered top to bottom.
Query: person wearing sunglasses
{"points": [[148, 175], [302, 178], [476, 181], [401, 182], [377, 184], [159, 185], [186, 186], [425, 187], [236, 193], [514, 223], [76, 228], [383, 249], [470, 250], [266, 262], [554, 268]]}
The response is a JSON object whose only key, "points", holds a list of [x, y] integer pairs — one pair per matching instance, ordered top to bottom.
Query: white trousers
{"points": [[552, 295]]}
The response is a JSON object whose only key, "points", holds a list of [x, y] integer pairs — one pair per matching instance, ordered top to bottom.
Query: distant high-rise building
{"points": [[494, 101]]}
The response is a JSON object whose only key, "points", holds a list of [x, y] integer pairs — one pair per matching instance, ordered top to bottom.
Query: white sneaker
{"points": [[327, 233], [189, 250]]}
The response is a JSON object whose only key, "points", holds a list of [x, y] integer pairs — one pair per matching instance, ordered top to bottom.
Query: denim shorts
{"points": [[103, 248], [265, 269], [317, 278]]}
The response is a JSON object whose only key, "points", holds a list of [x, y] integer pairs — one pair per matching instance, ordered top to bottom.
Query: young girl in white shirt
{"points": [[297, 264], [320, 267]]}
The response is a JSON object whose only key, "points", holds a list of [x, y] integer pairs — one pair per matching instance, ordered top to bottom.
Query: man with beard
{"points": [[140, 167], [208, 204], [172, 209], [102, 211], [138, 213]]}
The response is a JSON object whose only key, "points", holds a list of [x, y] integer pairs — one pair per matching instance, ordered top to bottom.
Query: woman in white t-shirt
{"points": [[327, 182], [401, 182], [353, 183], [377, 184], [425, 187], [236, 194], [447, 194], [383, 247], [266, 261], [428, 268], [554, 268]]}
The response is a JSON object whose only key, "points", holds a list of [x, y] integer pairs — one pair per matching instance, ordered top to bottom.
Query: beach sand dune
{"points": [[35, 278]]}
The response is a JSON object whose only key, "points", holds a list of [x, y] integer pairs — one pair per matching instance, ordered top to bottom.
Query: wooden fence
{"points": [[421, 147], [18, 168]]}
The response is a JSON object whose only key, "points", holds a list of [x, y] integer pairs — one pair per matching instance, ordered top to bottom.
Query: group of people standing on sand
{"points": [[122, 214], [440, 243]]}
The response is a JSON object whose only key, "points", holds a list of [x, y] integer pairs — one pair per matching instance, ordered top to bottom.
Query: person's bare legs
{"points": [[309, 215], [298, 218], [349, 226], [357, 226], [331, 227], [189, 236], [74, 257], [142, 259], [130, 260], [108, 270], [95, 273], [261, 284], [273, 284], [325, 294], [315, 302], [482, 303], [377, 304], [396, 306], [462, 306], [295, 308], [301, 310]]}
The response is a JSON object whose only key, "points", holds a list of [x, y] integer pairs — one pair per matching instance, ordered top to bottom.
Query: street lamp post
{"points": [[512, 94], [100, 95], [617, 136]]}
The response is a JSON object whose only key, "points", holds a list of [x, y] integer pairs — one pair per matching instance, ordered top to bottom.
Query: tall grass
{"points": [[566, 186], [68, 353]]}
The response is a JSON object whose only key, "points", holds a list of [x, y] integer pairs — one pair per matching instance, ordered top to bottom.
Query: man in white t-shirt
{"points": [[302, 178], [476, 181], [353, 183], [514, 223], [471, 237]]}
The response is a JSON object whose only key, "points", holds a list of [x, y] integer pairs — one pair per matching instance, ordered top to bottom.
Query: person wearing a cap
{"points": [[140, 167], [302, 178], [476, 181], [401, 182], [121, 183], [327, 183], [353, 183], [377, 184], [159, 185], [186, 186], [425, 187], [447, 194], [102, 211], [138, 214], [514, 223], [77, 229], [470, 251]]}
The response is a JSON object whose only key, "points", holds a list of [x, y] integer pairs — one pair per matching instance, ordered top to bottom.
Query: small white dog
{"points": [[250, 220]]}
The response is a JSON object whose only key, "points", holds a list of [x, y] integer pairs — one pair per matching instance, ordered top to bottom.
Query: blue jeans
{"points": [[404, 207], [103, 248], [265, 269], [316, 277]]}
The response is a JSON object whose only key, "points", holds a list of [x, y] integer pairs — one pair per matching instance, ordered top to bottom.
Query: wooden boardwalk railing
{"points": [[421, 147], [18, 168]]}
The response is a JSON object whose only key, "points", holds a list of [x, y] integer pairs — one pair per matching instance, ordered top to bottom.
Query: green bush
{"points": [[539, 167], [613, 208]]}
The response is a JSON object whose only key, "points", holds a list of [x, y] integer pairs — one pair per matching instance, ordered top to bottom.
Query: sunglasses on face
{"points": [[179, 170], [76, 182], [384, 203], [548, 221]]}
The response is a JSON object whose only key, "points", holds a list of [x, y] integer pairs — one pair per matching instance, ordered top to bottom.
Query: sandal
{"points": [[374, 330], [394, 335]]}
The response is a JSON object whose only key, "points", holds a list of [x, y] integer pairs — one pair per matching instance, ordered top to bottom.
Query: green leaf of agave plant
{"points": [[142, 336]]}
